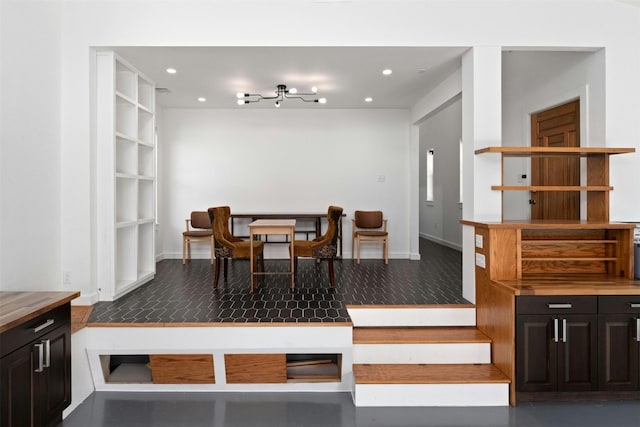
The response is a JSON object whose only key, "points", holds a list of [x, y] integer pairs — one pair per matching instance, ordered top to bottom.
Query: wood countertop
{"points": [[550, 224], [572, 285], [19, 307]]}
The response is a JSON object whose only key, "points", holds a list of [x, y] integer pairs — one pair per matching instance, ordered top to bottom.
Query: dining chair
{"points": [[369, 227], [198, 230], [228, 246], [323, 247]]}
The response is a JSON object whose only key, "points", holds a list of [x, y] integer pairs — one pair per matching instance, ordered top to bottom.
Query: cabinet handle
{"points": [[634, 304], [559, 305], [46, 324], [638, 329], [555, 330], [564, 330], [47, 353], [39, 357]]}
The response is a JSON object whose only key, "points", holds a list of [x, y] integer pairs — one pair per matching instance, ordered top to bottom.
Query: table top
{"points": [[273, 223], [19, 307]]}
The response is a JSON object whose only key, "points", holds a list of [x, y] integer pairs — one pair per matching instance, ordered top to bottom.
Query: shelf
{"points": [[553, 151], [552, 188]]}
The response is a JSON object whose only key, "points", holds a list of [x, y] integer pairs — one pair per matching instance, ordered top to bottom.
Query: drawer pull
{"points": [[634, 304], [559, 305], [45, 325], [638, 329], [555, 330], [564, 330], [47, 353], [40, 357]]}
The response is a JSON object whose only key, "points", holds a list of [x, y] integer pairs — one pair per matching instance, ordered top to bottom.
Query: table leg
{"points": [[251, 259], [293, 276]]}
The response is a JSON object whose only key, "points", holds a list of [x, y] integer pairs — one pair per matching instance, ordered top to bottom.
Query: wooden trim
{"points": [[553, 151], [595, 188], [409, 306], [418, 335], [427, 374]]}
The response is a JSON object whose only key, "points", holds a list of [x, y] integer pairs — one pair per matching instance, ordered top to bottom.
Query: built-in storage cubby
{"points": [[126, 176], [282, 368], [158, 369]]}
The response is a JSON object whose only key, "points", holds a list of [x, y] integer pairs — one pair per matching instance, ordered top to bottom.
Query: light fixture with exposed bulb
{"points": [[281, 94]]}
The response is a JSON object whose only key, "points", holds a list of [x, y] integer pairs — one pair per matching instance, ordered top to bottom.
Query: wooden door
{"points": [[556, 127]]}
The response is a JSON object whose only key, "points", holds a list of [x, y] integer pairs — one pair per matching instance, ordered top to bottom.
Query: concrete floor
{"points": [[114, 409]]}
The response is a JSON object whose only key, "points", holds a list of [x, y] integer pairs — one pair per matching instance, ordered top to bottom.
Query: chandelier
{"points": [[281, 93]]}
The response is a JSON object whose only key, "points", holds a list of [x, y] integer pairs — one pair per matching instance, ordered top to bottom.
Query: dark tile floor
{"points": [[185, 293]]}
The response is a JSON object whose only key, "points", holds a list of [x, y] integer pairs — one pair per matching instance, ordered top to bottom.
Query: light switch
{"points": [[479, 241], [480, 261]]}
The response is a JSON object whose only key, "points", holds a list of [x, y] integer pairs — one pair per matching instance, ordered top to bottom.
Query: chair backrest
{"points": [[200, 219], [368, 219], [330, 237]]}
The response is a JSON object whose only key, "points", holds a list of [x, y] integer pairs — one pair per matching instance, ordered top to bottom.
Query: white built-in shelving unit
{"points": [[125, 124]]}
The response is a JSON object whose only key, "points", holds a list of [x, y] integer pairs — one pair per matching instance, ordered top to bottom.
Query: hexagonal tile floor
{"points": [[180, 294]]}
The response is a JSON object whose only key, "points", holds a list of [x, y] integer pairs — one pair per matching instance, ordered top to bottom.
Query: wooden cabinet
{"points": [[125, 137], [556, 343], [619, 343], [35, 370]]}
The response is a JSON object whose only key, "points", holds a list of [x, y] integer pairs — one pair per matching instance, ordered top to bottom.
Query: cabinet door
{"points": [[618, 352], [535, 353], [577, 353], [52, 386], [16, 389]]}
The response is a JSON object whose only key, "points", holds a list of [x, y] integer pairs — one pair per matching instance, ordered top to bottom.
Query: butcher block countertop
{"points": [[586, 284], [19, 307]]}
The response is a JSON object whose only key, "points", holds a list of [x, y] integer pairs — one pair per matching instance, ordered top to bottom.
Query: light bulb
{"points": [[171, 70], [387, 72], [314, 89], [293, 90], [239, 95], [202, 99], [368, 99], [322, 100], [241, 102], [277, 104]]}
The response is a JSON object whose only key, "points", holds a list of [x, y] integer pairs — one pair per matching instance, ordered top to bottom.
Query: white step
{"points": [[412, 315], [434, 345], [429, 385]]}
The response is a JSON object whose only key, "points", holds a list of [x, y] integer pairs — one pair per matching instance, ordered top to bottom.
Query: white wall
{"points": [[534, 81], [30, 113], [286, 161], [440, 219]]}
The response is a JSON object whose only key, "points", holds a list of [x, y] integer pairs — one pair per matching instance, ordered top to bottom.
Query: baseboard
{"points": [[441, 241], [86, 299]]}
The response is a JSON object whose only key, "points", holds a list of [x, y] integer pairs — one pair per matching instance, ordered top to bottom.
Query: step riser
{"points": [[392, 317], [435, 353], [369, 395]]}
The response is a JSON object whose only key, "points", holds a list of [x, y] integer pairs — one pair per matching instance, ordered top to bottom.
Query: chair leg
{"points": [[353, 239], [358, 245], [184, 249], [213, 251], [386, 251], [226, 264], [216, 276], [254, 278], [332, 279]]}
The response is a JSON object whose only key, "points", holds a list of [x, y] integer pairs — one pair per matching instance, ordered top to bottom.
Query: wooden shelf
{"points": [[553, 151], [552, 188]]}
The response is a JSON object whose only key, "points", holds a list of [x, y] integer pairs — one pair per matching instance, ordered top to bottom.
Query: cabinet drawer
{"points": [[557, 304], [621, 304], [33, 329]]}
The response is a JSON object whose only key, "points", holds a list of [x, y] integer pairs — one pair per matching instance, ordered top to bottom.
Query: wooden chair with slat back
{"points": [[369, 227], [198, 230], [228, 246]]}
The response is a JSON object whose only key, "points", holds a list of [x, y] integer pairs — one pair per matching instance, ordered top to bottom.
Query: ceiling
{"points": [[343, 75]]}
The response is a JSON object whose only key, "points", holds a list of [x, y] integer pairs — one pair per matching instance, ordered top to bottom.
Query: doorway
{"points": [[556, 127]]}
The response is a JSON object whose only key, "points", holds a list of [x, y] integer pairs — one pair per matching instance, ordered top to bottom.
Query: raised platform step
{"points": [[412, 315], [438, 345], [429, 385]]}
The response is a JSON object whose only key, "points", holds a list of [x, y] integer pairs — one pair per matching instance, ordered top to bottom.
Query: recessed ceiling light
{"points": [[171, 70], [422, 70], [387, 72], [202, 99], [368, 99]]}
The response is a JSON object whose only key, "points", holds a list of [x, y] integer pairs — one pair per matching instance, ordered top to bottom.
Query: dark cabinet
{"points": [[619, 343], [556, 344], [35, 370]]}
